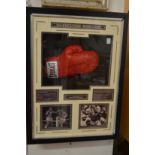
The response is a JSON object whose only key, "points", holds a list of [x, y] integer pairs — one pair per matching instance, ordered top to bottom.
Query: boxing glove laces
{"points": [[72, 61]]}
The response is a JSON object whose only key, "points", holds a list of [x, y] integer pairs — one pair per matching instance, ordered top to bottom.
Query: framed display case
{"points": [[83, 4], [75, 62]]}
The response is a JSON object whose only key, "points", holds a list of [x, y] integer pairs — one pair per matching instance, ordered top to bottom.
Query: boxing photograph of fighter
{"points": [[93, 116], [56, 117]]}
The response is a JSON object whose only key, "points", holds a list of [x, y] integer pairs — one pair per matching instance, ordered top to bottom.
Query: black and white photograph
{"points": [[93, 115], [56, 117]]}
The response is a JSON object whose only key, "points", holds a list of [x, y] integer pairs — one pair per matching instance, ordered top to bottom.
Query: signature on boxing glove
{"points": [[72, 61]]}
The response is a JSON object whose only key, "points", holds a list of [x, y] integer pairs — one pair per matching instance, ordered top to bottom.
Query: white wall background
{"points": [[78, 148]]}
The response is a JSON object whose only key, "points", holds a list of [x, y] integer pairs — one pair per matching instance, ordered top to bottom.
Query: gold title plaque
{"points": [[83, 4], [78, 26]]}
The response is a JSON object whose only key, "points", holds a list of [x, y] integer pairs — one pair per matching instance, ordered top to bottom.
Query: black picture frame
{"points": [[29, 11]]}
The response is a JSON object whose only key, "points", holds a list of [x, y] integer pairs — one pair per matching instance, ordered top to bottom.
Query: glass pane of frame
{"points": [[75, 63], [75, 66]]}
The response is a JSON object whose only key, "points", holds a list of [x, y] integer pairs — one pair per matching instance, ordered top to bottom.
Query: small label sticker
{"points": [[108, 41], [52, 69]]}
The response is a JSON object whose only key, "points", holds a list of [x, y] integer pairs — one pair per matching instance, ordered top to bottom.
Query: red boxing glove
{"points": [[72, 61]]}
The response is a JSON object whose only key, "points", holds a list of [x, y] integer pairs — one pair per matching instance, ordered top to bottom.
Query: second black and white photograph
{"points": [[93, 115], [56, 117]]}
